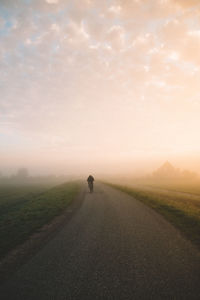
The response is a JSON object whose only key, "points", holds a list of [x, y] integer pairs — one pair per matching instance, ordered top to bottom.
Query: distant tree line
{"points": [[168, 171], [22, 176]]}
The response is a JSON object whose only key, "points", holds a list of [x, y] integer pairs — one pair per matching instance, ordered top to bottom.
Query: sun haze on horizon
{"points": [[96, 85]]}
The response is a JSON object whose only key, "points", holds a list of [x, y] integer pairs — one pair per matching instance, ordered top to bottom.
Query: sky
{"points": [[99, 85]]}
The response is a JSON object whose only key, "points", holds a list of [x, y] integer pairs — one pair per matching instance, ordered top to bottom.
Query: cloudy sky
{"points": [[98, 82]]}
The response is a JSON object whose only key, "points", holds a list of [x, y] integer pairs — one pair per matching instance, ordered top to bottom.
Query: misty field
{"points": [[184, 186], [179, 203], [25, 209]]}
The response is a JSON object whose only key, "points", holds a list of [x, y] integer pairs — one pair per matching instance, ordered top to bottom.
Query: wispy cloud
{"points": [[75, 73]]}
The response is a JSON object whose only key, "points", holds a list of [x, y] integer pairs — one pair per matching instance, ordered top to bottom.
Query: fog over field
{"points": [[101, 87]]}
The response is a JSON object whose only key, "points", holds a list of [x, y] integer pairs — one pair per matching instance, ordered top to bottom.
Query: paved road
{"points": [[113, 248]]}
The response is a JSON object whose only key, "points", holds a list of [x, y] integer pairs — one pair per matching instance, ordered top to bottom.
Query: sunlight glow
{"points": [[86, 85]]}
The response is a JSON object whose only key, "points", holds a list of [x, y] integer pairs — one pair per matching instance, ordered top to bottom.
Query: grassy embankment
{"points": [[183, 185], [25, 209], [183, 211]]}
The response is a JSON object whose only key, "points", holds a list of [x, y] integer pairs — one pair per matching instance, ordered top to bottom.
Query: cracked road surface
{"points": [[114, 247]]}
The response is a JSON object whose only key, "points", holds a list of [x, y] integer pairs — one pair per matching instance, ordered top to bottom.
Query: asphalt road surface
{"points": [[114, 247]]}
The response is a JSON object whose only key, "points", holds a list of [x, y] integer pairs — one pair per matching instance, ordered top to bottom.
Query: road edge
{"points": [[183, 233], [24, 252]]}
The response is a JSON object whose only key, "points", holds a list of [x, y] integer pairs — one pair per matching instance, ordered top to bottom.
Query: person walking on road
{"points": [[90, 181]]}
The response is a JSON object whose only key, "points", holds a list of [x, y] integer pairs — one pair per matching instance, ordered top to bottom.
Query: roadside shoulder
{"points": [[23, 252]]}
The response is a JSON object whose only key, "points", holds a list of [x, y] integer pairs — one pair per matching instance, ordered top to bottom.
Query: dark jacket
{"points": [[90, 179]]}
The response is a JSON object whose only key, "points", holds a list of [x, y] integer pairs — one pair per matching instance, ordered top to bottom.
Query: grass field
{"points": [[184, 186], [12, 197], [25, 209], [182, 210]]}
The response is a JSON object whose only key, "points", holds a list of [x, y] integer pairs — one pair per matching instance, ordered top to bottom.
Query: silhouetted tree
{"points": [[167, 171]]}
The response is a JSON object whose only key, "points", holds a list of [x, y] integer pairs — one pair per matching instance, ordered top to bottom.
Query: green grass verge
{"points": [[181, 187], [12, 197], [185, 218], [20, 221]]}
